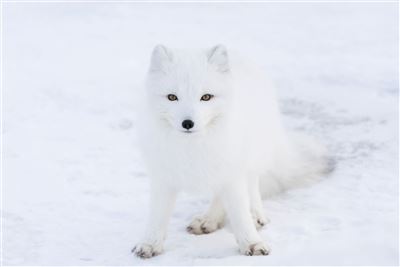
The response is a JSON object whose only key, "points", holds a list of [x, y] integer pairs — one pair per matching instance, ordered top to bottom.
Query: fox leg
{"points": [[235, 199], [161, 206], [256, 206], [211, 221]]}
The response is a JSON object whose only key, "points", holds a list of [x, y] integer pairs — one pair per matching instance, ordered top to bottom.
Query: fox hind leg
{"points": [[256, 206], [209, 222]]}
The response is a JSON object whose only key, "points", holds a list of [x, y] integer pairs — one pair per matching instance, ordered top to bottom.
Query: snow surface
{"points": [[74, 189]]}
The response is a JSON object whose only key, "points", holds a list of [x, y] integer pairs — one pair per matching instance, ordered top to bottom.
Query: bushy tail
{"points": [[302, 163]]}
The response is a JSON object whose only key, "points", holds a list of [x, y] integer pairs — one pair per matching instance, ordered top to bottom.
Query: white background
{"points": [[75, 191]]}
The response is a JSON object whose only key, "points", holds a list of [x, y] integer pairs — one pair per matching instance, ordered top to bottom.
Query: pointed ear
{"points": [[218, 56], [160, 59]]}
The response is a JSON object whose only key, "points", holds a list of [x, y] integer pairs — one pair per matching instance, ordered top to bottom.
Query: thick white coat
{"points": [[237, 142]]}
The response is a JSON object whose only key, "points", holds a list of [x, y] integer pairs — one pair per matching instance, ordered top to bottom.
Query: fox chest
{"points": [[194, 168]]}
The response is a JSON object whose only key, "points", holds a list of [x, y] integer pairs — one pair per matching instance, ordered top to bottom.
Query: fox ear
{"points": [[218, 56], [160, 59]]}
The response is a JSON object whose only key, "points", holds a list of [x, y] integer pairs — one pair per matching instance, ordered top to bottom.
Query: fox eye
{"points": [[172, 97], [206, 97]]}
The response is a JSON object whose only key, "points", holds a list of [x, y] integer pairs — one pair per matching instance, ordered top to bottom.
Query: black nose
{"points": [[187, 124]]}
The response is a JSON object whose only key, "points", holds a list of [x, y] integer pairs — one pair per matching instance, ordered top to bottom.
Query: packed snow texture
{"points": [[74, 188]]}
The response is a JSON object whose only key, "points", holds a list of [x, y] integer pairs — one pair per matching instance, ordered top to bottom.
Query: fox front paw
{"points": [[203, 225], [255, 249], [145, 251]]}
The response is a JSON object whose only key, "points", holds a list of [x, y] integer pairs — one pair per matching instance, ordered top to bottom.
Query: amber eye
{"points": [[172, 97], [206, 97]]}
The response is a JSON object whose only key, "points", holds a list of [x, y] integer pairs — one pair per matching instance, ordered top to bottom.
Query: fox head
{"points": [[189, 90]]}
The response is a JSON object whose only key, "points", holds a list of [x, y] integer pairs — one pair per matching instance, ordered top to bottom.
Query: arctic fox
{"points": [[211, 123]]}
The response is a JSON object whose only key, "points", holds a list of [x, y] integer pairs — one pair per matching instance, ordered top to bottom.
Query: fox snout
{"points": [[187, 124]]}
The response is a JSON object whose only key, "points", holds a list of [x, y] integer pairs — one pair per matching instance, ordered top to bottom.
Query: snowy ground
{"points": [[75, 192]]}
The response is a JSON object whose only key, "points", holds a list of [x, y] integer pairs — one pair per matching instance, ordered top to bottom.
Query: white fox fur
{"points": [[236, 150]]}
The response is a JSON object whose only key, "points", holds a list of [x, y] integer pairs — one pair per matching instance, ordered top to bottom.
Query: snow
{"points": [[74, 189]]}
